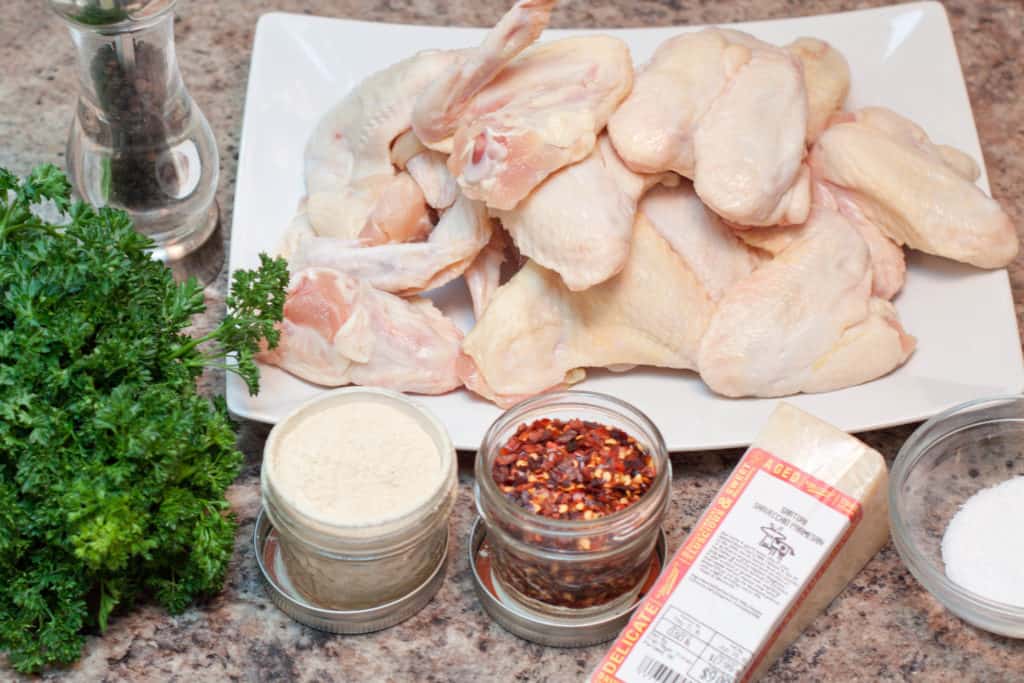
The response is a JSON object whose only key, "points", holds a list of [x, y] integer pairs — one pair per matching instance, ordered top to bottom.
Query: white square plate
{"points": [[902, 57]]}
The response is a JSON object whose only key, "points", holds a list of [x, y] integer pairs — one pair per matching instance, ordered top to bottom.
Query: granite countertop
{"points": [[883, 627]]}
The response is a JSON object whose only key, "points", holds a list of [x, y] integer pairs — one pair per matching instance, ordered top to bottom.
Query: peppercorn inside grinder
{"points": [[138, 141], [569, 571]]}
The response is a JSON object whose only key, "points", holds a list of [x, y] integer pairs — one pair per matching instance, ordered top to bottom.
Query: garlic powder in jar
{"points": [[358, 463], [359, 484]]}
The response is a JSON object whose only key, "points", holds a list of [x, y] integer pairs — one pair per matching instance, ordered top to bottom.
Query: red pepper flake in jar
{"points": [[573, 469]]}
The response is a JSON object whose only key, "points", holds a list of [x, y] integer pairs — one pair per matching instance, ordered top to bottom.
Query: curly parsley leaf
{"points": [[255, 304], [112, 468]]}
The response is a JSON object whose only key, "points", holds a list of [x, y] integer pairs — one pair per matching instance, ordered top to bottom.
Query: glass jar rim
{"points": [[485, 485], [384, 533]]}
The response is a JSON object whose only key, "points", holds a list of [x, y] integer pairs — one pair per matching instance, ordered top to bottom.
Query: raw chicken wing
{"points": [[827, 79], [728, 111], [438, 112], [542, 113], [516, 121], [653, 128], [749, 145], [349, 174], [917, 193], [579, 222], [714, 254], [888, 263], [409, 268], [805, 321], [338, 330], [536, 334]]}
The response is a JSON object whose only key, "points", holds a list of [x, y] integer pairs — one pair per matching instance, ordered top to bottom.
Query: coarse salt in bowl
{"points": [[947, 460]]}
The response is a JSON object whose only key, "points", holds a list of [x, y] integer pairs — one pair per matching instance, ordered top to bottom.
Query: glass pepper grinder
{"points": [[138, 141]]}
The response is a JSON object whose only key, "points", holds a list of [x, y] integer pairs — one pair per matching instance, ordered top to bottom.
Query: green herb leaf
{"points": [[112, 468]]}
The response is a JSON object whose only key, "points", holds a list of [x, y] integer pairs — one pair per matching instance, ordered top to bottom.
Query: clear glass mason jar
{"points": [[354, 567], [565, 568]]}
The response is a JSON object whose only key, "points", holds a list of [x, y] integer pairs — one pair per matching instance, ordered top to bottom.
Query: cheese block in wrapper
{"points": [[800, 515]]}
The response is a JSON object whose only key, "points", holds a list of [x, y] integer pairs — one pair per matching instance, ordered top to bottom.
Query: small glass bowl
{"points": [[947, 460]]}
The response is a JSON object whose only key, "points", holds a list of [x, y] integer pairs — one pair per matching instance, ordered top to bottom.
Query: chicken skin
{"points": [[729, 112], [510, 121], [353, 188], [918, 193], [579, 222], [716, 256], [408, 268], [805, 321], [338, 330], [537, 334]]}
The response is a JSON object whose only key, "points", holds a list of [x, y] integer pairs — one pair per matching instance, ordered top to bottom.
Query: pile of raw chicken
{"points": [[715, 211]]}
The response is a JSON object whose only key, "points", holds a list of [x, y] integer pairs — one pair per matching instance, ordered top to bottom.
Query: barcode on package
{"points": [[654, 670]]}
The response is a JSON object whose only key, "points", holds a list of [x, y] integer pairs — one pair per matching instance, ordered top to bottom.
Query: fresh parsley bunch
{"points": [[112, 468]]}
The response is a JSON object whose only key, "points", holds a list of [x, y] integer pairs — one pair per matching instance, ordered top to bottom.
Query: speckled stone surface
{"points": [[884, 627]]}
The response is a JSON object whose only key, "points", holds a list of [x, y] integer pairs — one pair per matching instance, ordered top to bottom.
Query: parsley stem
{"points": [[196, 341]]}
